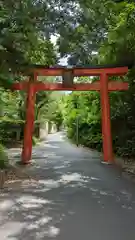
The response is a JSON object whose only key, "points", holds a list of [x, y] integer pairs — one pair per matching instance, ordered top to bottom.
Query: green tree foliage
{"points": [[83, 39], [24, 41], [114, 44], [119, 48], [86, 107], [54, 111]]}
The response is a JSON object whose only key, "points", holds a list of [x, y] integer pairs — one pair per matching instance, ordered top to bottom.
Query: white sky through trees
{"points": [[63, 61]]}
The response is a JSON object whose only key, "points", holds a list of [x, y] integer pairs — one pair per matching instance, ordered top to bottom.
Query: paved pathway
{"points": [[76, 198]]}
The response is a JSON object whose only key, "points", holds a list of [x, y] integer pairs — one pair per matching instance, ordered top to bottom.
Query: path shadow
{"points": [[68, 199], [40, 209]]}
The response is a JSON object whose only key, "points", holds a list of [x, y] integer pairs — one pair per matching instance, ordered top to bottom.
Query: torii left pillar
{"points": [[29, 124]]}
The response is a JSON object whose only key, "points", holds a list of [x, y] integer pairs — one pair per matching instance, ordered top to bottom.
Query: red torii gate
{"points": [[103, 85]]}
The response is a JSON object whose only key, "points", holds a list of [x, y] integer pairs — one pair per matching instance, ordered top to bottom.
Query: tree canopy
{"points": [[88, 32]]}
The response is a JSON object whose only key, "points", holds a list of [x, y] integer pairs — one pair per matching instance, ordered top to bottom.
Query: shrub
{"points": [[34, 140], [3, 158]]}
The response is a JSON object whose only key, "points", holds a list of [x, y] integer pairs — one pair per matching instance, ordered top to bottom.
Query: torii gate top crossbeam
{"points": [[41, 70], [78, 71]]}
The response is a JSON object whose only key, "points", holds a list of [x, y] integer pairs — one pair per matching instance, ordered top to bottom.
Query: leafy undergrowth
{"points": [[35, 140], [3, 158]]}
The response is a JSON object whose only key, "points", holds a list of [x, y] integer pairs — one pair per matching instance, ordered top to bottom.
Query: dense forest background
{"points": [[88, 32]]}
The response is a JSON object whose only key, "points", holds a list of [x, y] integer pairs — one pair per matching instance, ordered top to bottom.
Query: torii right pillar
{"points": [[106, 119]]}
